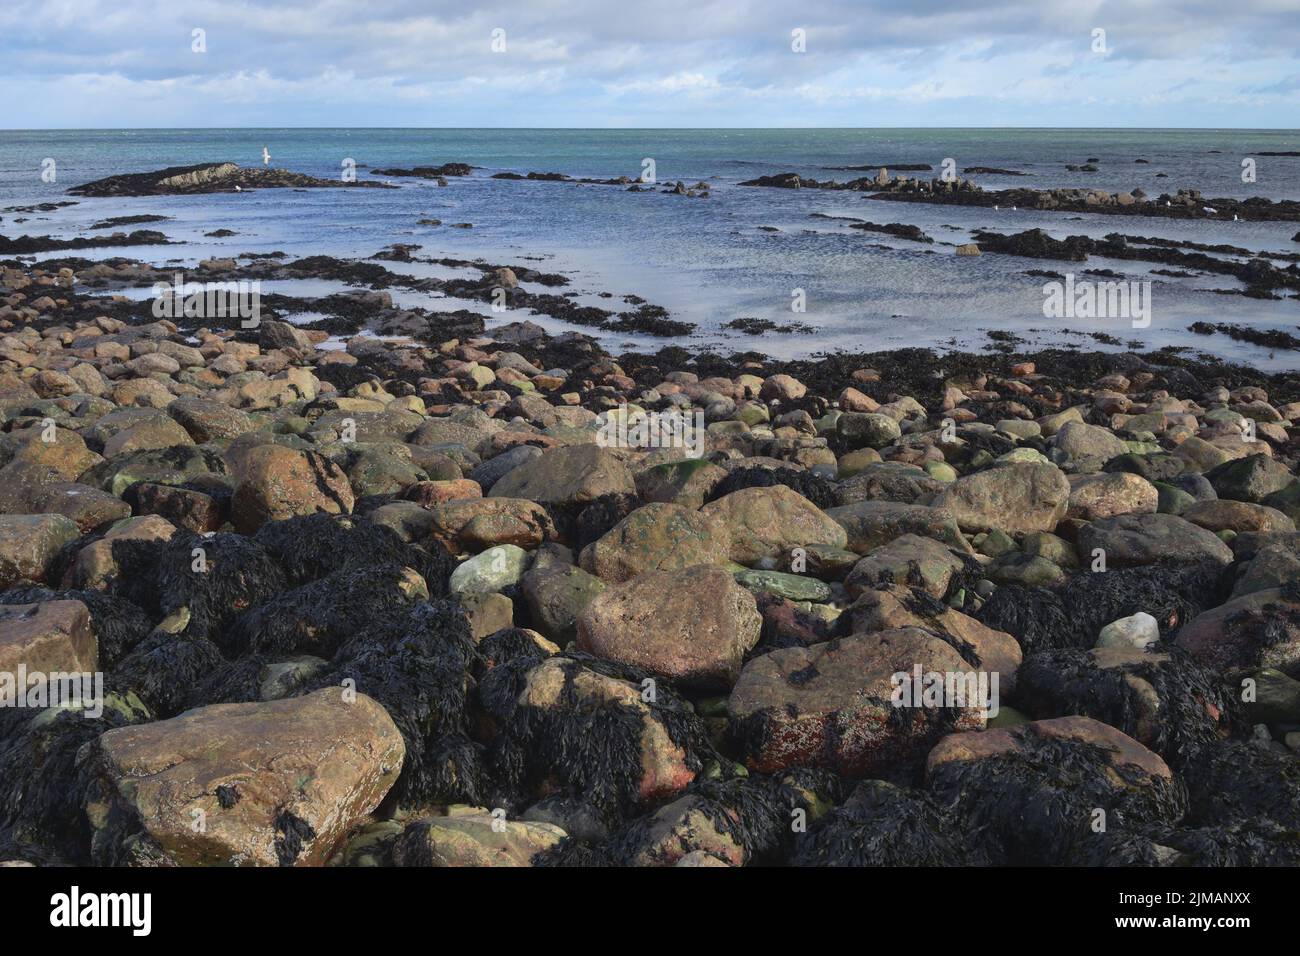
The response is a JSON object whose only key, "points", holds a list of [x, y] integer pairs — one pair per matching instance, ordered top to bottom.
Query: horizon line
{"points": [[615, 129]]}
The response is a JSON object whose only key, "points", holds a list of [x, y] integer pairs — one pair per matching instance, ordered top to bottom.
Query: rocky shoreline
{"points": [[1182, 204], [482, 596]]}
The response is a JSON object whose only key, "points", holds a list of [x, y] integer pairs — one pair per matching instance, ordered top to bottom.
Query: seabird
{"points": [[266, 156]]}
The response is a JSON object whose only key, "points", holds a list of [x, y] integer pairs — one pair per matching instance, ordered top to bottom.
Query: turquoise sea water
{"points": [[708, 261]]}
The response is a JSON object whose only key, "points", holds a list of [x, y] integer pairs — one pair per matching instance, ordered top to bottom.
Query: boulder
{"points": [[568, 475], [275, 483], [1110, 494], [1014, 498], [765, 522], [869, 524], [657, 537], [1137, 539], [29, 544], [910, 559], [693, 625], [51, 637], [830, 705], [257, 784], [473, 836]]}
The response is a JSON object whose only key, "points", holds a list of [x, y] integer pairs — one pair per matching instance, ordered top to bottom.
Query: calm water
{"points": [[706, 261]]}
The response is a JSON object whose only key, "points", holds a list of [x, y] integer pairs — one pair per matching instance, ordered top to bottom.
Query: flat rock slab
{"points": [[1136, 539], [274, 783]]}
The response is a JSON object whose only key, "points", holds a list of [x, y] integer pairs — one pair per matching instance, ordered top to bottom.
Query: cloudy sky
{"points": [[684, 63]]}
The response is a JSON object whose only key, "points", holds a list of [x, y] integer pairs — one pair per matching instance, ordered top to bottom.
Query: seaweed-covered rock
{"points": [[309, 547], [216, 578], [1073, 614], [318, 617], [1261, 629], [415, 660], [1165, 701], [834, 705], [615, 742], [1238, 781], [264, 784], [1042, 790], [885, 825], [473, 836]]}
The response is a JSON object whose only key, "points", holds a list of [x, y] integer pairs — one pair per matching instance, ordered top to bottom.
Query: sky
{"points": [[678, 63]]}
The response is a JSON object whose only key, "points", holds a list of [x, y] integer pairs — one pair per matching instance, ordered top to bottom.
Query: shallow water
{"points": [[705, 260]]}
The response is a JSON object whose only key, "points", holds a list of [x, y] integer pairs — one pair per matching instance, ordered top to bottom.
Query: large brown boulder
{"points": [[569, 475], [275, 483], [1014, 498], [766, 522], [476, 524], [869, 524], [657, 537], [29, 544], [898, 606], [693, 625], [1260, 629], [54, 636], [830, 705], [259, 784]]}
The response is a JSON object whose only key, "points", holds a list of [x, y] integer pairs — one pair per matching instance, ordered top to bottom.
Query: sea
{"points": [[741, 253]]}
